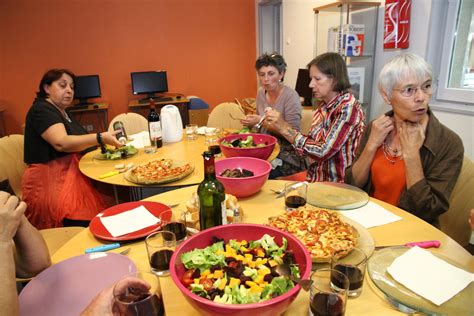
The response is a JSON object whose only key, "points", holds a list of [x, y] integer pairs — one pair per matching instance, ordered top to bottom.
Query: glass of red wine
{"points": [[295, 195], [170, 224], [160, 247], [353, 266], [138, 294], [324, 300]]}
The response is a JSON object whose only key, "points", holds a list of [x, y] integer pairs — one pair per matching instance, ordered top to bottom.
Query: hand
{"points": [[250, 120], [274, 120], [381, 127], [412, 136], [110, 139], [11, 212], [104, 302]]}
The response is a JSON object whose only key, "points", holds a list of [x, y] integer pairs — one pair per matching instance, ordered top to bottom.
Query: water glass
{"points": [[191, 131], [211, 135], [148, 145], [295, 195], [170, 224], [160, 247], [353, 266], [139, 294], [324, 300]]}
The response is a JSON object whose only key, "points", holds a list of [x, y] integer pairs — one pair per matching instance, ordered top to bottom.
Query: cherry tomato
{"points": [[187, 278], [207, 284]]}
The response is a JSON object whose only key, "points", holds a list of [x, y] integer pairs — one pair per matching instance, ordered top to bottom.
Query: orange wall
{"points": [[208, 47]]}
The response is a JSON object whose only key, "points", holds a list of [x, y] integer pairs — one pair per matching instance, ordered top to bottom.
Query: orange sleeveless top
{"points": [[388, 177]]}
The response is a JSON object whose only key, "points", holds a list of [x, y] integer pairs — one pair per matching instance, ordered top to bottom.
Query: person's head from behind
{"points": [[271, 70], [328, 73], [405, 83], [57, 86]]}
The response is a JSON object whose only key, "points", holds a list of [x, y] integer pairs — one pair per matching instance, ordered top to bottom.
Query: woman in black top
{"points": [[53, 186]]}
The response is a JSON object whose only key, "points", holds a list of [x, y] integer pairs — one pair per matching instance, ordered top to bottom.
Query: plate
{"points": [[130, 152], [175, 163], [336, 196], [98, 229], [67, 287], [460, 304]]}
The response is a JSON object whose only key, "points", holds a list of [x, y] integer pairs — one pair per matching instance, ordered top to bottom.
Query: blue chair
{"points": [[198, 111]]}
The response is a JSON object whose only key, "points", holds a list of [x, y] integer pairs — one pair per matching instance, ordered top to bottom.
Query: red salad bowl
{"points": [[257, 152], [243, 187], [272, 307]]}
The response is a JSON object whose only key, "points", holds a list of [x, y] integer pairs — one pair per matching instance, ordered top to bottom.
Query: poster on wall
{"points": [[397, 24], [356, 78]]}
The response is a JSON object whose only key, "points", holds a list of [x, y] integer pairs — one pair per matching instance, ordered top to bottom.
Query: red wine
{"points": [[154, 126], [215, 149], [295, 201], [179, 229], [160, 260], [354, 274], [326, 304], [142, 305]]}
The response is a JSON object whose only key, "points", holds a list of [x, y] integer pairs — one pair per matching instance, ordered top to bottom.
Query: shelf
{"points": [[335, 6]]}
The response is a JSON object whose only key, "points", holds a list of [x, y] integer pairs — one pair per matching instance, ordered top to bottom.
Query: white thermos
{"points": [[171, 124]]}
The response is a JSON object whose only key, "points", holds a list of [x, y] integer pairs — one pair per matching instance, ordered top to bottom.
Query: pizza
{"points": [[159, 171], [322, 232]]}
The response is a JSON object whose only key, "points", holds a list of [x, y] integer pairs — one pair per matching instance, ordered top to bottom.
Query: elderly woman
{"points": [[273, 94], [337, 124], [407, 157], [53, 186]]}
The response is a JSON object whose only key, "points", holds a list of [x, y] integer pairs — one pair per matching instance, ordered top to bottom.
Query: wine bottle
{"points": [[154, 126], [121, 136], [212, 211]]}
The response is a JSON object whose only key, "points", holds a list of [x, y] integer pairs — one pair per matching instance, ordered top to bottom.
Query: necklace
{"points": [[63, 112], [388, 156]]}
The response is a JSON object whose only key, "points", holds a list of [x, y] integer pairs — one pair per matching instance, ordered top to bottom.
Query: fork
{"points": [[258, 126]]}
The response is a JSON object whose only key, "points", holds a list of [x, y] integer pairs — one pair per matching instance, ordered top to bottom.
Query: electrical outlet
{"points": [[89, 128]]}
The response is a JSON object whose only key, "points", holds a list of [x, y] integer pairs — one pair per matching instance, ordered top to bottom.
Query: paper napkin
{"points": [[203, 129], [137, 141], [371, 215], [129, 221], [429, 276]]}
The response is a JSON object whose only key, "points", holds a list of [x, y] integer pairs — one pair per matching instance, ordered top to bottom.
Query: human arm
{"points": [[250, 120], [57, 136], [360, 169], [10, 216]]}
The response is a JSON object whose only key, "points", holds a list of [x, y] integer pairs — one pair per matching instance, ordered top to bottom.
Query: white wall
{"points": [[298, 47]]}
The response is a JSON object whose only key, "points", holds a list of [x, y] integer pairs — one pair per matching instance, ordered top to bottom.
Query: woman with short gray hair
{"points": [[401, 159]]}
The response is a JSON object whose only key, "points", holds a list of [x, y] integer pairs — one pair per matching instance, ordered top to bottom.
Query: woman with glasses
{"points": [[273, 94], [338, 122], [406, 156]]}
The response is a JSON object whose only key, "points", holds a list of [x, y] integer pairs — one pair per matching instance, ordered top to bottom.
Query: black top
{"points": [[39, 118]]}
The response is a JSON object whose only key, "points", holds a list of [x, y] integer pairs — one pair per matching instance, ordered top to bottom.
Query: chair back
{"points": [[226, 115], [306, 120], [134, 123], [12, 166], [454, 222]]}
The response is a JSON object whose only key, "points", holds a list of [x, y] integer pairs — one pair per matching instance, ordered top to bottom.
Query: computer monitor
{"points": [[149, 83], [302, 86], [86, 87]]}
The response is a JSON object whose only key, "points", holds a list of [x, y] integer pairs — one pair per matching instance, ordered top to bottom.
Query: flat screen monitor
{"points": [[149, 83], [302, 86], [86, 87]]}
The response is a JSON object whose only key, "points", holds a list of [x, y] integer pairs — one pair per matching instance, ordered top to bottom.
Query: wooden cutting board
{"points": [[336, 196]]}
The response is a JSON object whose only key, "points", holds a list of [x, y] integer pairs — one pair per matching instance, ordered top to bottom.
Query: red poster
{"points": [[397, 24]]}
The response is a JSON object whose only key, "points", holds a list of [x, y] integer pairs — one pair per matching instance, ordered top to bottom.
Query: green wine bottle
{"points": [[211, 194]]}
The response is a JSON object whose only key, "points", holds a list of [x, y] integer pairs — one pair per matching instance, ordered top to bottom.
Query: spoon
{"points": [[259, 124], [284, 270]]}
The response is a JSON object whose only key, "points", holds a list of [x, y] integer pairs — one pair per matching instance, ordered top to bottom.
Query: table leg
{"points": [[115, 194]]}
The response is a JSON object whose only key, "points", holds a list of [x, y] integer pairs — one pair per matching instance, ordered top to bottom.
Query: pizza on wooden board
{"points": [[159, 171], [322, 232]]}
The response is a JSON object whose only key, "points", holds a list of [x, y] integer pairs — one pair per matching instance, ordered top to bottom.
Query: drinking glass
{"points": [[191, 131], [211, 135], [149, 145], [295, 195], [170, 224], [160, 247], [353, 266], [139, 294], [324, 300]]}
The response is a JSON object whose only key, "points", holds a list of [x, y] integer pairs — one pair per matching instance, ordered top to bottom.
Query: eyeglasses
{"points": [[410, 91]]}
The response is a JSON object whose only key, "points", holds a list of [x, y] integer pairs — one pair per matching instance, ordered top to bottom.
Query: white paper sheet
{"points": [[203, 129], [138, 139], [371, 215], [129, 221], [429, 276]]}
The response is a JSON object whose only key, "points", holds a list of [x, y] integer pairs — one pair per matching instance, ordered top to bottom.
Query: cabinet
{"points": [[337, 25], [181, 103], [93, 117]]}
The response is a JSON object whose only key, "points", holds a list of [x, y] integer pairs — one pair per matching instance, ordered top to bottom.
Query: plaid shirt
{"points": [[333, 139]]}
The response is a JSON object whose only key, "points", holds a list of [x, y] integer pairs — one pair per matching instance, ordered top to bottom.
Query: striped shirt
{"points": [[333, 139]]}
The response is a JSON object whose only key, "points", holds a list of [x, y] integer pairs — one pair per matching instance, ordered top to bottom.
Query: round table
{"points": [[257, 209]]}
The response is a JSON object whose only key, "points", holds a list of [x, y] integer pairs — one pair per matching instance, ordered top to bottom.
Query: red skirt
{"points": [[57, 190]]}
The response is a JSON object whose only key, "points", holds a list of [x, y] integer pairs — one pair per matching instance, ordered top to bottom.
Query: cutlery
{"points": [[259, 124], [116, 172], [172, 205], [421, 244], [103, 248], [124, 252], [284, 270], [399, 306]]}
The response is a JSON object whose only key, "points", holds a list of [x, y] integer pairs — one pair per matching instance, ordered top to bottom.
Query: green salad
{"points": [[240, 143], [119, 153], [239, 272]]}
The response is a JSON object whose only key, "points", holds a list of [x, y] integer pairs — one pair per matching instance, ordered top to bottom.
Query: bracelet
{"points": [[99, 139]]}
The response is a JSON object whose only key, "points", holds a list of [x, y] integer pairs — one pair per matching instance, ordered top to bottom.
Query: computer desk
{"points": [[100, 108], [144, 108]]}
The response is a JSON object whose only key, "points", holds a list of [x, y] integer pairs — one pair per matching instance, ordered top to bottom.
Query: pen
{"points": [[103, 248]]}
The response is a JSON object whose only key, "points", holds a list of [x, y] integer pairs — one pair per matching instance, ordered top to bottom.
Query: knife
{"points": [[116, 172], [294, 186], [421, 244], [103, 248]]}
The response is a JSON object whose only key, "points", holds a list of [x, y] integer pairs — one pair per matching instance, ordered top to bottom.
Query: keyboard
{"points": [[160, 99]]}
